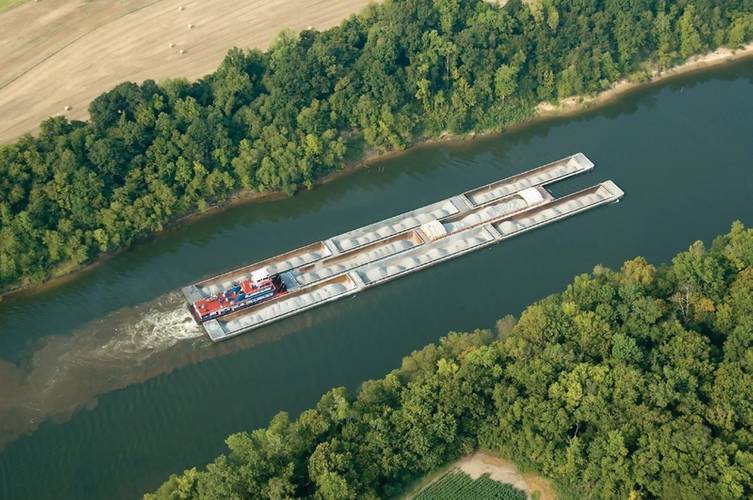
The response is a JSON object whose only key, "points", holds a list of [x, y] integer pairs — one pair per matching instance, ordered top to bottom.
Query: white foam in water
{"points": [[153, 329]]}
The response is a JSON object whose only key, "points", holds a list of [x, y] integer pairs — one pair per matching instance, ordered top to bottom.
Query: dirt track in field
{"points": [[58, 53]]}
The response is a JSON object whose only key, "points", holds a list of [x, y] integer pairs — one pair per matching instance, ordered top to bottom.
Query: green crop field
{"points": [[458, 485]]}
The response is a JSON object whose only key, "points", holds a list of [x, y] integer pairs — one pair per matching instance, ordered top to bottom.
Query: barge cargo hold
{"points": [[346, 264]]}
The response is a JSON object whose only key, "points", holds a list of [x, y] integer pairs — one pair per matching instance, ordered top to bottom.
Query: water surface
{"points": [[111, 387]]}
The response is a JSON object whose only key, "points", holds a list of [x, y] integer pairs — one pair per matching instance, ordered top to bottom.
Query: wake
{"points": [[161, 324], [67, 372]]}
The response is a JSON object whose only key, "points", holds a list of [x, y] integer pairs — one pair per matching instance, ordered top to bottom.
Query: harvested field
{"points": [[9, 4], [64, 53]]}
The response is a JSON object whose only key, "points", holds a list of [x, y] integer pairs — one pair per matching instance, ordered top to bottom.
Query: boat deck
{"points": [[346, 264]]}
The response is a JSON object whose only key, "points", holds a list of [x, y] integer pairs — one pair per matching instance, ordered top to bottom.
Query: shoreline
{"points": [[576, 104], [543, 111]]}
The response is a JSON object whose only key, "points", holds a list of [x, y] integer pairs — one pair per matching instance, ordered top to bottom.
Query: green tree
{"points": [[690, 38], [277, 120], [603, 388]]}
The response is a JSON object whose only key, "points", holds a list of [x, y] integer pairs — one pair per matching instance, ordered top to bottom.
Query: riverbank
{"points": [[576, 104], [543, 111]]}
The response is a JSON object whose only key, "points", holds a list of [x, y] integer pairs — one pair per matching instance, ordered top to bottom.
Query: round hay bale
{"points": [[180, 8], [190, 26], [172, 45], [182, 51], [67, 108]]}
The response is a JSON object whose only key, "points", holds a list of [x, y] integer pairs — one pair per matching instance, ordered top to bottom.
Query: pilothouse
{"points": [[258, 287]]}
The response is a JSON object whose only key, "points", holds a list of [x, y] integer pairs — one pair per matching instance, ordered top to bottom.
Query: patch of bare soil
{"points": [[480, 463]]}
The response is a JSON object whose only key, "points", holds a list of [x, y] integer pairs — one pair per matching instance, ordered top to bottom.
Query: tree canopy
{"points": [[279, 119], [635, 383]]}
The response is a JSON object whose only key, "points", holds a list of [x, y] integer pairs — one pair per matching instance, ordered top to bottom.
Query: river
{"points": [[106, 386]]}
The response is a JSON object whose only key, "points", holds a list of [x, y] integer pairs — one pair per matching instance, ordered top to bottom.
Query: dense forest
{"points": [[278, 120], [635, 383]]}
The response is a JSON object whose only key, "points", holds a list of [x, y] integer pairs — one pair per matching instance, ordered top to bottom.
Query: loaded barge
{"points": [[255, 295]]}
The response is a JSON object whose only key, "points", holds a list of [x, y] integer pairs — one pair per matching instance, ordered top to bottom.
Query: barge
{"points": [[258, 294]]}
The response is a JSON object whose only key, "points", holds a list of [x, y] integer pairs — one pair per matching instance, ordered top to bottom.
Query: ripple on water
{"points": [[67, 372]]}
